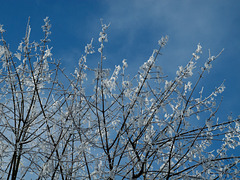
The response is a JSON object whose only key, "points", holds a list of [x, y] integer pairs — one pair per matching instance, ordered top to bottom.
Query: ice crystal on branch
{"points": [[1, 29], [163, 41], [47, 53]]}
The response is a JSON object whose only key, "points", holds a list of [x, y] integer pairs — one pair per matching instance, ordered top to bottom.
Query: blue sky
{"points": [[136, 26]]}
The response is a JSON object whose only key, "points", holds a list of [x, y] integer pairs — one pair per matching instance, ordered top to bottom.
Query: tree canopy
{"points": [[56, 125]]}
